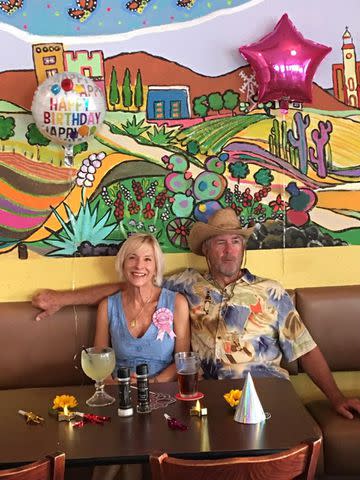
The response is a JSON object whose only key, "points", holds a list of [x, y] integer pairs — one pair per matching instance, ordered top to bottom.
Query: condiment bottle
{"points": [[143, 394], [125, 409]]}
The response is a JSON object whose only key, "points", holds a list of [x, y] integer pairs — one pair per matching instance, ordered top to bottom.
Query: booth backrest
{"points": [[332, 314], [42, 353]]}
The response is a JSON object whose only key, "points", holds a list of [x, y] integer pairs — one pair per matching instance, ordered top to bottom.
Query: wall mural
{"points": [[99, 17], [175, 145]]}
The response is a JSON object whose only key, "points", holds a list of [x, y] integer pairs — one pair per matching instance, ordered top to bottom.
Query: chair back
{"points": [[298, 462], [50, 468]]}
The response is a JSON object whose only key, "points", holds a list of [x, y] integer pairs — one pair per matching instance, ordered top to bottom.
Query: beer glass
{"points": [[98, 363], [187, 368]]}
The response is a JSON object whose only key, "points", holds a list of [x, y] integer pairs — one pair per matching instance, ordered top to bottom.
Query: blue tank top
{"points": [[131, 351]]}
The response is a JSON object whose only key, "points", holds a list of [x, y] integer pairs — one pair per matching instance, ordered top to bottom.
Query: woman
{"points": [[144, 323]]}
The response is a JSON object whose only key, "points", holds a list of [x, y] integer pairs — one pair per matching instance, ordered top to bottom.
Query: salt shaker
{"points": [[143, 398], [125, 409]]}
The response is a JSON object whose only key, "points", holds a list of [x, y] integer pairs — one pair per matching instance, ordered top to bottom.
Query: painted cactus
{"points": [[274, 138], [321, 138], [299, 140], [301, 201]]}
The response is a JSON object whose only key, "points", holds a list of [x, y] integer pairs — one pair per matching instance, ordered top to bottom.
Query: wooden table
{"points": [[130, 440]]}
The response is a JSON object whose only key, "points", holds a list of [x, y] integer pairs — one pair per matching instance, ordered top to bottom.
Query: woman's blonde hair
{"points": [[134, 243]]}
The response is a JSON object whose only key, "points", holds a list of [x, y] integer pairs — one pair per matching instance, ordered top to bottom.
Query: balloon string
{"points": [[69, 155]]}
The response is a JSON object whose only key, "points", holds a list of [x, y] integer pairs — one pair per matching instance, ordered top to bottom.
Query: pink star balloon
{"points": [[285, 63]]}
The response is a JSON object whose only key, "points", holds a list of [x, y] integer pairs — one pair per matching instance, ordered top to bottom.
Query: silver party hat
{"points": [[249, 409]]}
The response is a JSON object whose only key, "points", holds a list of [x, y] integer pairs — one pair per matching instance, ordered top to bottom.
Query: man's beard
{"points": [[231, 269]]}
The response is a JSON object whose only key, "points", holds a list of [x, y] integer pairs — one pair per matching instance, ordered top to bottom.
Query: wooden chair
{"points": [[298, 462], [50, 468]]}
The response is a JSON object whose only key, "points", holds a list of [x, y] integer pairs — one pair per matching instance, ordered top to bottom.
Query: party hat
{"points": [[249, 409]]}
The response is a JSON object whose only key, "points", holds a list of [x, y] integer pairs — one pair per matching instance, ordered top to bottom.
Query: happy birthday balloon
{"points": [[285, 63], [68, 108]]}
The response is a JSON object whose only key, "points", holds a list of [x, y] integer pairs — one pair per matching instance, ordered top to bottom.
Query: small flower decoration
{"points": [[233, 397], [63, 402]]}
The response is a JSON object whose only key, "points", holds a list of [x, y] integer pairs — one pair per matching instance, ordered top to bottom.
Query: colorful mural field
{"points": [[175, 146]]}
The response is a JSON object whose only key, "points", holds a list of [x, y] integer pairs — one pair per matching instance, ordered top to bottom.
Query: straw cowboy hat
{"points": [[223, 222]]}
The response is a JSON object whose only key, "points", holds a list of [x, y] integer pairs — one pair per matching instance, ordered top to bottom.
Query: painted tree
{"points": [[139, 92], [127, 94], [114, 96], [231, 100], [216, 102], [200, 106], [244, 107], [266, 107], [7, 127], [35, 137], [80, 147], [239, 170], [263, 177]]}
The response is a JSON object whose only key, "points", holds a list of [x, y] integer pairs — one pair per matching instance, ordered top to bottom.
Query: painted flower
{"points": [[86, 174], [278, 204], [133, 208], [148, 212], [165, 215]]}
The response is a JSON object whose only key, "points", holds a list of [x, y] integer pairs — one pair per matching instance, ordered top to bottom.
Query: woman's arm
{"points": [[102, 337], [182, 339]]}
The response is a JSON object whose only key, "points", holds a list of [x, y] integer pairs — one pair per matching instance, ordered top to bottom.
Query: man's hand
{"points": [[48, 301], [347, 406]]}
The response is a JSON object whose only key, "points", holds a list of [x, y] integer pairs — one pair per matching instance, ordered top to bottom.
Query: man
{"points": [[239, 322]]}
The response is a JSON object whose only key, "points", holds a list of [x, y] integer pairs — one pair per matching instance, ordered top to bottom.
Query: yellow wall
{"points": [[292, 267]]}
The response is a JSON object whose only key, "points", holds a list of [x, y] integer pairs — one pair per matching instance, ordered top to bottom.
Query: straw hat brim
{"points": [[202, 231]]}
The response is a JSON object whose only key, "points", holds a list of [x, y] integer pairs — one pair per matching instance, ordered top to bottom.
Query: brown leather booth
{"points": [[332, 314], [43, 354]]}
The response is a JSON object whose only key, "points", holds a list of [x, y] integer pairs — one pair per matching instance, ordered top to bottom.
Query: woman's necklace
{"points": [[145, 302]]}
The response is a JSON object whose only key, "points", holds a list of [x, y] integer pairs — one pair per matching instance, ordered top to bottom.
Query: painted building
{"points": [[48, 60], [89, 64], [346, 75], [168, 102]]}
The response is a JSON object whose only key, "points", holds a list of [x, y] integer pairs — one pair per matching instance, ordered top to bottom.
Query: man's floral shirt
{"points": [[247, 327]]}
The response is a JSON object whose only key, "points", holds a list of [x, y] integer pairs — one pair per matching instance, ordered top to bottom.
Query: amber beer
{"points": [[187, 367], [188, 383]]}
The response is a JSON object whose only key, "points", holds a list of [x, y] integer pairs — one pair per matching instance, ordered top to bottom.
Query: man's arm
{"points": [[50, 301], [318, 370]]}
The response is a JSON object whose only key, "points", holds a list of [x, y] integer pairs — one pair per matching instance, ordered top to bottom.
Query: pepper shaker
{"points": [[143, 398], [125, 408]]}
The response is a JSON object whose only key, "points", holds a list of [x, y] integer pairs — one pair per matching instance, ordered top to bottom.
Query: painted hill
{"points": [[154, 71], [159, 71], [18, 87], [325, 101], [8, 107], [22, 208]]}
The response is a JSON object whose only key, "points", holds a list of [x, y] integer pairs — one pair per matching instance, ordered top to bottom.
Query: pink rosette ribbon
{"points": [[163, 319]]}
